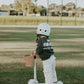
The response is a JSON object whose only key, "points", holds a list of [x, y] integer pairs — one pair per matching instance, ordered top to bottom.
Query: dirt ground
{"points": [[17, 31]]}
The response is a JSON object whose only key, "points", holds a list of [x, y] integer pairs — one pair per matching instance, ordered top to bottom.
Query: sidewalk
{"points": [[35, 26]]}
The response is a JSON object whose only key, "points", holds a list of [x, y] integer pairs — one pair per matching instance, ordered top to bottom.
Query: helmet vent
{"points": [[40, 29], [45, 30]]}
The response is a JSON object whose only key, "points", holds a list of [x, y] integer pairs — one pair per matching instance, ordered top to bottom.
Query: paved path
{"points": [[35, 26]]}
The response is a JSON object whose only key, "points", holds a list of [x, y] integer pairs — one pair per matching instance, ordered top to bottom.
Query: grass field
{"points": [[33, 20], [68, 44]]}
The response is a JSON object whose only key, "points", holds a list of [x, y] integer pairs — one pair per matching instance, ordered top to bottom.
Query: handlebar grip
{"points": [[34, 57]]}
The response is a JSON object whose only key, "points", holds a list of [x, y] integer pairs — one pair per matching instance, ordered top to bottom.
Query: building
{"points": [[4, 12], [7, 12], [70, 13]]}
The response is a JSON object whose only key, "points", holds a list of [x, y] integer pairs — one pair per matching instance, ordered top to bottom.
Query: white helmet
{"points": [[43, 29]]}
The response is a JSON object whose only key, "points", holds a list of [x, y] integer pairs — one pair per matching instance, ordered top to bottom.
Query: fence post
{"points": [[61, 11]]}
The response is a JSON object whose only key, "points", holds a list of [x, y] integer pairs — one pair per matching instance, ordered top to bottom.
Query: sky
{"points": [[6, 2], [80, 3]]}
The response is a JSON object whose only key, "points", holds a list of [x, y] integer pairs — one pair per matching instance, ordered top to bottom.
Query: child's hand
{"points": [[34, 53]]}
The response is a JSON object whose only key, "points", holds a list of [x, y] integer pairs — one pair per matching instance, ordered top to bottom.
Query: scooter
{"points": [[35, 81]]}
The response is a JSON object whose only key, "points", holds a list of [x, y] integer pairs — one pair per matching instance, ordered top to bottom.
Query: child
{"points": [[45, 51]]}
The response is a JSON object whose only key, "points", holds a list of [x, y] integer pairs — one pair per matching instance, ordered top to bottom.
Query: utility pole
{"points": [[16, 1], [28, 4], [47, 10], [61, 11], [75, 12]]}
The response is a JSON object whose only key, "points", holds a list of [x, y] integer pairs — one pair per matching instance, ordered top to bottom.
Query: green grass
{"points": [[33, 20], [58, 33], [18, 36], [31, 36], [69, 55], [17, 73], [67, 75]]}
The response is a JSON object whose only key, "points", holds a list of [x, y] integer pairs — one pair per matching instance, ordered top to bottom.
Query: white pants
{"points": [[49, 70]]}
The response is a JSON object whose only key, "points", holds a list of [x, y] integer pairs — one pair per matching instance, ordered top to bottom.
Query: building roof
{"points": [[9, 9]]}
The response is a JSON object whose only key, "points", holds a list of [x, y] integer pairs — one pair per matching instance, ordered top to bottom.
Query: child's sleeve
{"points": [[39, 48]]}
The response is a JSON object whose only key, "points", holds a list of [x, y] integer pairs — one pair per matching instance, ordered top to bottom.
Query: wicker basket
{"points": [[29, 60]]}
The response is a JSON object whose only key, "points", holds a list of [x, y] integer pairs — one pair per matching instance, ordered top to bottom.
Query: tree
{"points": [[35, 2], [11, 5], [18, 6], [25, 6], [52, 6], [70, 6], [4, 7], [32, 7], [60, 7], [64, 8], [39, 9]]}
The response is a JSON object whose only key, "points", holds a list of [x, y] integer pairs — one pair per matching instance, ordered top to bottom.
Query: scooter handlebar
{"points": [[35, 57]]}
